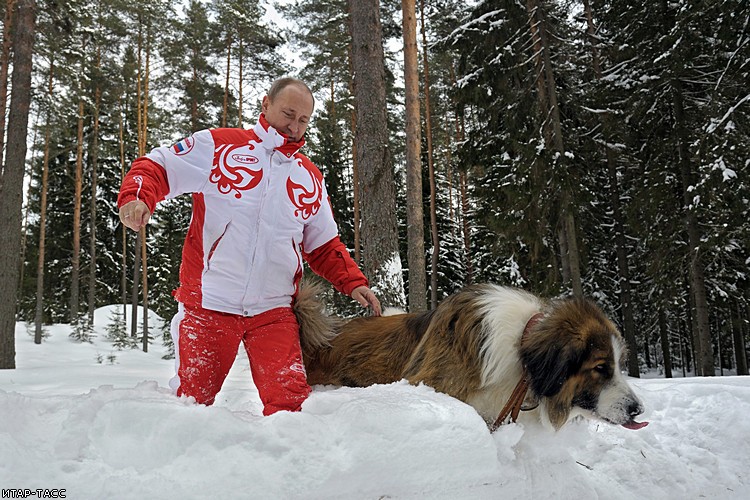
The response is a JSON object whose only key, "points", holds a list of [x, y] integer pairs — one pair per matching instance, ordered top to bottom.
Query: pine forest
{"points": [[595, 148]]}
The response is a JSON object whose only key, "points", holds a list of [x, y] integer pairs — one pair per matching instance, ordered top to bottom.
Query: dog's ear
{"points": [[550, 358]]}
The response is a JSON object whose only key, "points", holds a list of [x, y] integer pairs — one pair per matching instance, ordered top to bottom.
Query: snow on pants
{"points": [[206, 344]]}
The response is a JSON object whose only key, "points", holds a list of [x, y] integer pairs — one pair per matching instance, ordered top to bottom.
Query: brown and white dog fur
{"points": [[470, 347]]}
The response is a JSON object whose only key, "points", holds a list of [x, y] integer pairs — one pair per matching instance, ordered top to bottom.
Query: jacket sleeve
{"points": [[169, 171], [146, 181], [323, 250], [333, 262]]}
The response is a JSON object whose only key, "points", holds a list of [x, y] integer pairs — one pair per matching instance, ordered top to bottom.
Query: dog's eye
{"points": [[601, 368]]}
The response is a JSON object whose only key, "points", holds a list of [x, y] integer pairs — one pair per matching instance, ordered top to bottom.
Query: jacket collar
{"points": [[273, 139]]}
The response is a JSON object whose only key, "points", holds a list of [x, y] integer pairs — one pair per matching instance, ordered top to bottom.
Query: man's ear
{"points": [[264, 104]]}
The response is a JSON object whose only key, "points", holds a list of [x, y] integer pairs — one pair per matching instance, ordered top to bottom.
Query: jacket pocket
{"points": [[215, 245]]}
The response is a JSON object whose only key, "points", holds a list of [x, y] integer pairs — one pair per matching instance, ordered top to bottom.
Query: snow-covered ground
{"points": [[101, 423]]}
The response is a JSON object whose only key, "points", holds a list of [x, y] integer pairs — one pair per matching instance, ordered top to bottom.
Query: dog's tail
{"points": [[316, 328]]}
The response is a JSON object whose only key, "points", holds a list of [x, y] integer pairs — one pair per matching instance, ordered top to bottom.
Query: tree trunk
{"points": [[4, 67], [226, 84], [239, 85], [541, 87], [138, 89], [332, 90], [194, 102], [550, 116], [143, 133], [141, 151], [431, 167], [355, 170], [449, 175], [539, 176], [11, 182], [356, 190], [463, 201], [414, 202], [92, 205], [453, 215], [25, 226], [141, 242], [571, 244], [564, 261], [382, 262], [144, 267], [75, 272], [124, 275], [469, 279], [697, 279], [134, 290], [626, 302], [39, 313], [692, 330], [664, 335], [739, 344], [686, 346], [719, 349], [731, 356], [683, 358]]}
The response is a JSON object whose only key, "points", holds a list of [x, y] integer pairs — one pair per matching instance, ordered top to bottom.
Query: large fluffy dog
{"points": [[471, 347]]}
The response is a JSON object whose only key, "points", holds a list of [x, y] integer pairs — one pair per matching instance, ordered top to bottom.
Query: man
{"points": [[259, 208]]}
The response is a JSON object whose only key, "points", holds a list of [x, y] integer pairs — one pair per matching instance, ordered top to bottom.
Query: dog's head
{"points": [[573, 358]]}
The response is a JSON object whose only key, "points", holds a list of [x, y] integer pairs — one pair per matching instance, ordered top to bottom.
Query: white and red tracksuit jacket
{"points": [[259, 208]]}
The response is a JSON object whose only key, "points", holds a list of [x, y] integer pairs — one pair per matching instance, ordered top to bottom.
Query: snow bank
{"points": [[113, 430]]}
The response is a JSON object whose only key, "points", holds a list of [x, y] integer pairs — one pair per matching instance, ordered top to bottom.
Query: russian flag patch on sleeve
{"points": [[184, 146]]}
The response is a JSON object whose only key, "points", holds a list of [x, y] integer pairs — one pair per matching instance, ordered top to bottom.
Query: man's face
{"points": [[290, 111]]}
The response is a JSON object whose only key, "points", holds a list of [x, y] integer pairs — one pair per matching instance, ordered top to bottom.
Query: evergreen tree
{"points": [[248, 51], [190, 52], [682, 80], [654, 113], [516, 183]]}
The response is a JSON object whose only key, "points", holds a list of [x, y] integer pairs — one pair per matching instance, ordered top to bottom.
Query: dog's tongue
{"points": [[633, 425]]}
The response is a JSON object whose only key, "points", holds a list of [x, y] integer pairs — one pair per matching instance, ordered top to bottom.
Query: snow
{"points": [[712, 128], [726, 172], [390, 279], [74, 420]]}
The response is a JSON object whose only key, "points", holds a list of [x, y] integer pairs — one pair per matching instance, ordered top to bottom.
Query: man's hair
{"points": [[282, 83]]}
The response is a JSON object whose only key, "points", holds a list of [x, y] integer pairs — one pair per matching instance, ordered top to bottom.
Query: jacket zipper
{"points": [[257, 224]]}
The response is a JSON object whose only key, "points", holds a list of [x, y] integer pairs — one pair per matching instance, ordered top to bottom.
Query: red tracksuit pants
{"points": [[206, 344]]}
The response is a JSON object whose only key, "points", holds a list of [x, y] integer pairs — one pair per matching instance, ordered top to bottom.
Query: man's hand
{"points": [[135, 215], [366, 297]]}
